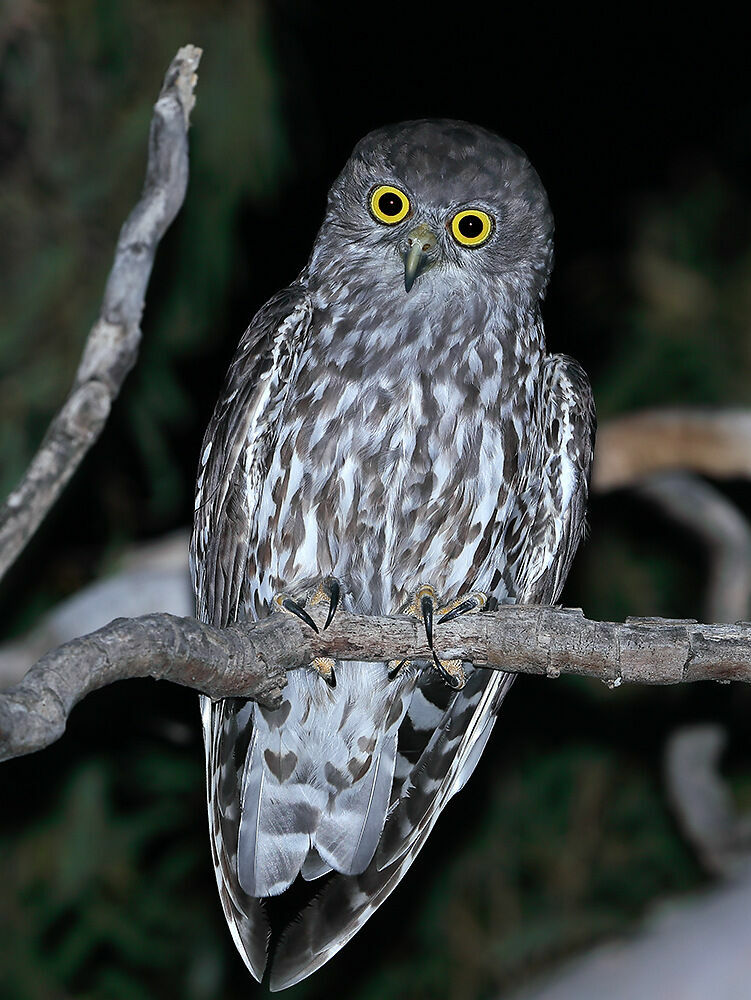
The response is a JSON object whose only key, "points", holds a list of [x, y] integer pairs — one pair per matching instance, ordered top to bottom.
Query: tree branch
{"points": [[112, 345], [714, 443], [250, 659]]}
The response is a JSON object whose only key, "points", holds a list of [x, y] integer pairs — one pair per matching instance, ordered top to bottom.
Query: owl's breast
{"points": [[389, 477]]}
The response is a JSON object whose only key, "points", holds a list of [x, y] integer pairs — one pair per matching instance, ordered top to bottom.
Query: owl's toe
{"points": [[329, 590], [283, 602], [470, 604], [423, 605], [427, 606], [324, 666], [396, 666], [452, 672]]}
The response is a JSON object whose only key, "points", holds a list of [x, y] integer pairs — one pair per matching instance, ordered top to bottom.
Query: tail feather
{"points": [[448, 750], [323, 786], [281, 809], [348, 834], [271, 852], [314, 866], [346, 903], [246, 917]]}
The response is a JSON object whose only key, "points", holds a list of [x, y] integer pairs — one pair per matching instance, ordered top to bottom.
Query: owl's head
{"points": [[439, 205]]}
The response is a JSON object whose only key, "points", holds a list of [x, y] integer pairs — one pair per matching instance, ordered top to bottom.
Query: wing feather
{"points": [[236, 452]]}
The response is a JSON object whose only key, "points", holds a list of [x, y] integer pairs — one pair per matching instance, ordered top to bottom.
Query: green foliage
{"points": [[75, 910]]}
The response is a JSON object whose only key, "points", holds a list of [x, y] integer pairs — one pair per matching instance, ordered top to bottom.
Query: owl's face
{"points": [[438, 206]]}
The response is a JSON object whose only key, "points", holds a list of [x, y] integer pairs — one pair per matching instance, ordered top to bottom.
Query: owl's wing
{"points": [[566, 448], [237, 449], [541, 538]]}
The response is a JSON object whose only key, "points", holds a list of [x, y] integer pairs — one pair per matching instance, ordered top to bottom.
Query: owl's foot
{"points": [[329, 591], [468, 605], [427, 606], [324, 666]]}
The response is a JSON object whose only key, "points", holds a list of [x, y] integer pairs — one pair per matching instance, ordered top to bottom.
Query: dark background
{"points": [[641, 133]]}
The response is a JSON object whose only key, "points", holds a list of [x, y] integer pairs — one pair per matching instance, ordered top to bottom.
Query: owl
{"points": [[391, 437]]}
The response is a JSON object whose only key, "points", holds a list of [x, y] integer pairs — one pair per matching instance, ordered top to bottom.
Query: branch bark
{"points": [[112, 346], [250, 659]]}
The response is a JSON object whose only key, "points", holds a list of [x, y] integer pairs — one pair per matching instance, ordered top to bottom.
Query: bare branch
{"points": [[112, 345], [714, 443], [250, 659], [219, 662]]}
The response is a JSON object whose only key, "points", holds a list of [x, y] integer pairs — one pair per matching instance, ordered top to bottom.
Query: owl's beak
{"points": [[418, 251]]}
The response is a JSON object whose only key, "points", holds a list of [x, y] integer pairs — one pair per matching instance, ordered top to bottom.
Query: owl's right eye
{"points": [[388, 204]]}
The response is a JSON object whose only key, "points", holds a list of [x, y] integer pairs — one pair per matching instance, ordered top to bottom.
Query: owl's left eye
{"points": [[388, 204], [471, 227]]}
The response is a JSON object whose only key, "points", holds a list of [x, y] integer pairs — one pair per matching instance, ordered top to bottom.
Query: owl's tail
{"points": [[316, 783], [303, 789], [336, 915]]}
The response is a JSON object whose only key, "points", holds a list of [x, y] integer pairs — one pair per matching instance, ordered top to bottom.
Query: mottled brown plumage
{"points": [[387, 438]]}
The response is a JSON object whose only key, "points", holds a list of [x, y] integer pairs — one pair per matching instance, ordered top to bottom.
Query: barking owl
{"points": [[391, 437]]}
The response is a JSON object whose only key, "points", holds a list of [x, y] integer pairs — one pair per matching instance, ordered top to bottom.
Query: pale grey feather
{"points": [[314, 867]]}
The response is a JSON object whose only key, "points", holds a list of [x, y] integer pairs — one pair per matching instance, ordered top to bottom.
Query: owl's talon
{"points": [[328, 590], [335, 592], [470, 604], [426, 605], [423, 606], [292, 607], [426, 610], [324, 665], [395, 666], [452, 672]]}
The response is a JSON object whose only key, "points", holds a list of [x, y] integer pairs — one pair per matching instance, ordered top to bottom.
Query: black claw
{"points": [[334, 595], [426, 607], [296, 609], [460, 609], [395, 670], [331, 679], [455, 683]]}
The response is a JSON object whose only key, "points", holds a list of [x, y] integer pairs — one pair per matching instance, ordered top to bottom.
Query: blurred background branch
{"points": [[112, 346], [707, 442]]}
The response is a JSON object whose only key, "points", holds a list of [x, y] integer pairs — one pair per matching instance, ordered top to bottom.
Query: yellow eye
{"points": [[389, 204], [471, 227]]}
